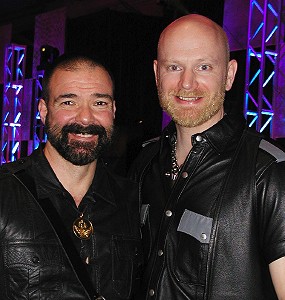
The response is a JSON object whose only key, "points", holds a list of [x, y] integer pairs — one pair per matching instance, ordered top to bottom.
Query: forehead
{"points": [[191, 40], [83, 77]]}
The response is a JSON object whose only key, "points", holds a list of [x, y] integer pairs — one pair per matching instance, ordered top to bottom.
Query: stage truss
{"points": [[262, 64]]}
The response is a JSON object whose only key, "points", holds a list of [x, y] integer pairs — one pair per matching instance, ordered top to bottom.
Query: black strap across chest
{"points": [[61, 233]]}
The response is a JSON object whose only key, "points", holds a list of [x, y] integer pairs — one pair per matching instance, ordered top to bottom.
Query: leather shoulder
{"points": [[150, 142], [273, 150], [14, 167]]}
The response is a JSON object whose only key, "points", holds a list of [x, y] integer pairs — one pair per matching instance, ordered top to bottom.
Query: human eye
{"points": [[204, 67], [173, 68], [65, 100], [102, 100], [67, 103], [101, 103]]}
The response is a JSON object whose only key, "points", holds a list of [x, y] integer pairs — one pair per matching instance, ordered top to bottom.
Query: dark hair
{"points": [[70, 62]]}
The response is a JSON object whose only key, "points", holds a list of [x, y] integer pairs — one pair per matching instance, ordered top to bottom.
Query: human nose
{"points": [[188, 80], [84, 115]]}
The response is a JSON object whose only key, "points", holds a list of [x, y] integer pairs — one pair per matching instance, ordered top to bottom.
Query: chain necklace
{"points": [[174, 164], [82, 228]]}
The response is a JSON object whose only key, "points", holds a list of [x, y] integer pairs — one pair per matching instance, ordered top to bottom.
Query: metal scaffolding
{"points": [[262, 63], [14, 75], [38, 133]]}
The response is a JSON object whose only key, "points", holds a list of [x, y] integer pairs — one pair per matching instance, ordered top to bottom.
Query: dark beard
{"points": [[77, 152]]}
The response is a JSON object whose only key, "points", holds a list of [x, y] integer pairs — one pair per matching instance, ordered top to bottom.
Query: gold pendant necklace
{"points": [[82, 228]]}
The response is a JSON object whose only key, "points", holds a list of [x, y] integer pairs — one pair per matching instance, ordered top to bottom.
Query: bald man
{"points": [[212, 190]]}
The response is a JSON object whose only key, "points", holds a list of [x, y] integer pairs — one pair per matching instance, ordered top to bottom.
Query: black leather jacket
{"points": [[213, 234], [32, 262]]}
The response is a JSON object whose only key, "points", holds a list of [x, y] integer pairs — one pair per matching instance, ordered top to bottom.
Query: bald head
{"points": [[191, 27], [193, 71]]}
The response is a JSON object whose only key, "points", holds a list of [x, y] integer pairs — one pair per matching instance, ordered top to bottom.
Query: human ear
{"points": [[232, 69], [155, 71], [114, 109], [43, 110]]}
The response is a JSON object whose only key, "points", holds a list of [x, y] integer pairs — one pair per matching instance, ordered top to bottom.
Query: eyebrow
{"points": [[197, 60], [99, 95], [72, 96]]}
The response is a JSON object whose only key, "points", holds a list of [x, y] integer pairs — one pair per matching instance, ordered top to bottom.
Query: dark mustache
{"points": [[90, 129]]}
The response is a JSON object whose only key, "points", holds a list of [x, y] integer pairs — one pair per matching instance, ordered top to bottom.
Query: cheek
{"points": [[168, 83], [213, 84], [60, 118], [105, 118]]}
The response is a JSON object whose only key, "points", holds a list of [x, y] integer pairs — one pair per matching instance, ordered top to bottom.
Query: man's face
{"points": [[192, 75], [79, 114]]}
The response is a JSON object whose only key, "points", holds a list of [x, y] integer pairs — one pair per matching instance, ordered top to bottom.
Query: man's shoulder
{"points": [[150, 142], [267, 147], [149, 148], [272, 149], [148, 151], [270, 155], [15, 166]]}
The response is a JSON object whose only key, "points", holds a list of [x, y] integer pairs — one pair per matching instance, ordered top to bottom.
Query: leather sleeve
{"points": [[271, 209]]}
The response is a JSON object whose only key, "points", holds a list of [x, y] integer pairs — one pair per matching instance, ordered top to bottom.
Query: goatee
{"points": [[191, 116], [79, 152]]}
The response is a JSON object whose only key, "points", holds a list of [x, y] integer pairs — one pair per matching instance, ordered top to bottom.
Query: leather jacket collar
{"points": [[218, 136], [49, 183]]}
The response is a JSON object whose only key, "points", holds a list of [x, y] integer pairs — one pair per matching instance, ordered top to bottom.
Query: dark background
{"points": [[126, 41]]}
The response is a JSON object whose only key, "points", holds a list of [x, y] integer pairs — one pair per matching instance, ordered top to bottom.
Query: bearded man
{"points": [[212, 190], [69, 228]]}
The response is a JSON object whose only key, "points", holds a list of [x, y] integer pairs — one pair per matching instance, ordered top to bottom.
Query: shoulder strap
{"points": [[63, 237]]}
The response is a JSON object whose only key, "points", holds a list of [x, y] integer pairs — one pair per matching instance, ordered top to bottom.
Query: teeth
{"points": [[188, 98], [84, 134]]}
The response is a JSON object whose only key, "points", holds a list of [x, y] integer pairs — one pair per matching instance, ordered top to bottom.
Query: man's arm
{"points": [[277, 271]]}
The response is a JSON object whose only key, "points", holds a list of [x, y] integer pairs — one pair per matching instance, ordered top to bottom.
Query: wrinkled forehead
{"points": [[82, 66], [79, 70], [81, 81]]}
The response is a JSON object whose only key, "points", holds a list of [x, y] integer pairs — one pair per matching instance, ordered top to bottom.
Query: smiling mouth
{"points": [[188, 98], [86, 135]]}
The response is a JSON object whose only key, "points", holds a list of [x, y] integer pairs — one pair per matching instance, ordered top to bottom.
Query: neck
{"points": [[184, 135], [183, 146], [75, 179]]}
